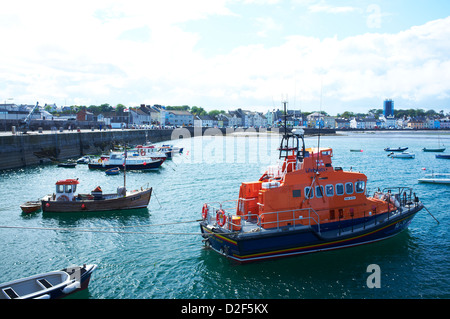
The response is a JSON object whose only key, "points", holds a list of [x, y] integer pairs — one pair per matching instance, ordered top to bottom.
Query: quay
{"points": [[19, 150]]}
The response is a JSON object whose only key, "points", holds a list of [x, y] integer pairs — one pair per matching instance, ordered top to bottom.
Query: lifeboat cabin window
{"points": [[359, 186], [349, 188], [329, 189], [339, 189], [319, 191], [309, 192], [296, 193]]}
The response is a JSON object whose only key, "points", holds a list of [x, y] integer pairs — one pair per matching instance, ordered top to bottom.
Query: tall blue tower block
{"points": [[388, 109]]}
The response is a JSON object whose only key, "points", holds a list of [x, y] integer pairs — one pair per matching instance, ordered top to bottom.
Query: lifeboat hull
{"points": [[263, 245]]}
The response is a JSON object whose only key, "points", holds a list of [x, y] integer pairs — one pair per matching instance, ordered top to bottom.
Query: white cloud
{"points": [[327, 8], [267, 25], [137, 52]]}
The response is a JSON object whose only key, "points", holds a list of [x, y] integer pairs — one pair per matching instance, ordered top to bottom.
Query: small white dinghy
{"points": [[402, 155], [436, 178], [50, 285]]}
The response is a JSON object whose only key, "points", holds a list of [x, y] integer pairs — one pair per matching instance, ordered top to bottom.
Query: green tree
{"points": [[119, 108], [214, 113]]}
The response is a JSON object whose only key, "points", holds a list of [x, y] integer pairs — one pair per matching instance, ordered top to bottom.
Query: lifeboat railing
{"points": [[277, 171], [307, 214], [297, 221]]}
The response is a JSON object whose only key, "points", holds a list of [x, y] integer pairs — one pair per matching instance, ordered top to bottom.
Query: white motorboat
{"points": [[402, 155], [132, 161], [436, 178]]}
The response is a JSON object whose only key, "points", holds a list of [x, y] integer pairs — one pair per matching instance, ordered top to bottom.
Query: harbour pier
{"points": [[45, 146]]}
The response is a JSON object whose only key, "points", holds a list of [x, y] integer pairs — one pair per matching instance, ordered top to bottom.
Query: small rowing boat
{"points": [[398, 149], [113, 171], [31, 206], [50, 285]]}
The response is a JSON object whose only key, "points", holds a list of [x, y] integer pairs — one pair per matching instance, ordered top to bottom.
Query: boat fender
{"points": [[205, 211], [221, 218], [72, 287], [46, 296]]}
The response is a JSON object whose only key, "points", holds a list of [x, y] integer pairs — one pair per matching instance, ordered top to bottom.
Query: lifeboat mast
{"points": [[290, 141]]}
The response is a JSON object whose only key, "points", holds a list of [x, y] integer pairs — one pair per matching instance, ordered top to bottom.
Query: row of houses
{"points": [[158, 115], [399, 123]]}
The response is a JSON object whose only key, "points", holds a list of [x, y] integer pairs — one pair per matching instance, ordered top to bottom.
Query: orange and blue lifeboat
{"points": [[304, 205]]}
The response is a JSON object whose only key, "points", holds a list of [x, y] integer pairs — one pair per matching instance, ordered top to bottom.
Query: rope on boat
{"points": [[431, 214], [102, 229], [99, 231]]}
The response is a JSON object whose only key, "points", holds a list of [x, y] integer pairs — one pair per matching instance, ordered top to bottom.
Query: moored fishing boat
{"points": [[148, 151], [446, 156], [119, 159], [65, 199], [304, 205], [50, 285]]}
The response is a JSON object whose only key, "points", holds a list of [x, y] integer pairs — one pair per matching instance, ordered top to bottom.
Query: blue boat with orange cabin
{"points": [[304, 205]]}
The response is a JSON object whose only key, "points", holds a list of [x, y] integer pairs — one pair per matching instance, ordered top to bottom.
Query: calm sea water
{"points": [[157, 253]]}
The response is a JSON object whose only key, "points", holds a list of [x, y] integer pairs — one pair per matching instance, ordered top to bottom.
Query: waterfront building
{"points": [[388, 108], [85, 115], [272, 117], [179, 118], [235, 118], [223, 120], [315, 120], [205, 121], [329, 121], [342, 123], [356, 123], [369, 123], [444, 123], [415, 124]]}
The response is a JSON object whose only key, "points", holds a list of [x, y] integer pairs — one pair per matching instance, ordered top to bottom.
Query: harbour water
{"points": [[157, 253]]}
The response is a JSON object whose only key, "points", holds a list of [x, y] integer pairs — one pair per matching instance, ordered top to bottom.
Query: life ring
{"points": [[142, 152], [100, 160], [63, 198], [205, 211], [221, 218]]}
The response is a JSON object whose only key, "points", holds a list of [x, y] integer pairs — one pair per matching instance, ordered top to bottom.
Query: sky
{"points": [[318, 55]]}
